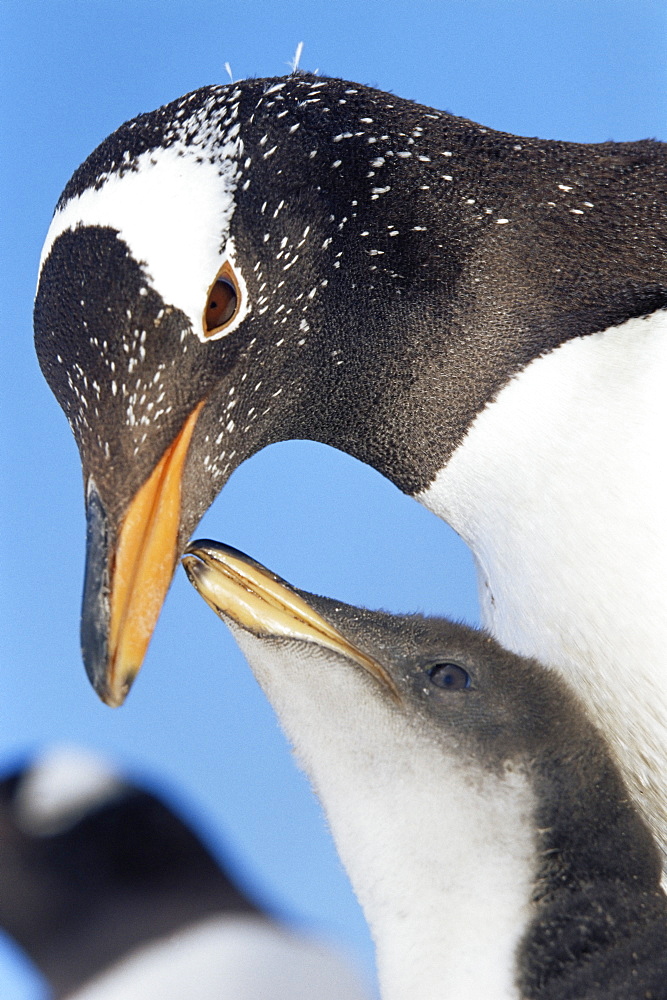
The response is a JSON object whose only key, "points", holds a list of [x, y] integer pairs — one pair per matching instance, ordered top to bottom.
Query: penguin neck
{"points": [[570, 556], [440, 852], [443, 864]]}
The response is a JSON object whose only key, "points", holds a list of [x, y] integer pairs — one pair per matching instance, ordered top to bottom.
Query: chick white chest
{"points": [[441, 852]]}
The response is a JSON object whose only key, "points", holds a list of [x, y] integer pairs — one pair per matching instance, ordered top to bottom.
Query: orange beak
{"points": [[122, 619]]}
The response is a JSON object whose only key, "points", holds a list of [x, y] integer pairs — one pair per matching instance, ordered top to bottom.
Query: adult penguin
{"points": [[478, 316]]}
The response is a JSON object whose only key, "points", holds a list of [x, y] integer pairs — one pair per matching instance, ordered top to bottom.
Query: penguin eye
{"points": [[223, 302], [449, 676]]}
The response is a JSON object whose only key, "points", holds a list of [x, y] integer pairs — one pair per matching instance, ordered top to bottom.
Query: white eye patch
{"points": [[173, 211], [61, 788]]}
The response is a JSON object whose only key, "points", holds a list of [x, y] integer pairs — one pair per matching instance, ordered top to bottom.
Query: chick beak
{"points": [[238, 587]]}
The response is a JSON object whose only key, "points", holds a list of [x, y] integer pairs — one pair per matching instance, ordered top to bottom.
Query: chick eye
{"points": [[223, 302], [450, 676]]}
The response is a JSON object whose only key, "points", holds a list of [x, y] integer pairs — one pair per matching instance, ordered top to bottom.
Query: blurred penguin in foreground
{"points": [[113, 897]]}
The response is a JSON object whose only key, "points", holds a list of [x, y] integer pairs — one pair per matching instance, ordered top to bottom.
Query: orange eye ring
{"points": [[223, 301]]}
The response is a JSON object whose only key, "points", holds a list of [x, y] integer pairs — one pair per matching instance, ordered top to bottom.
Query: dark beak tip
{"points": [[190, 564], [100, 676], [99, 683], [113, 698]]}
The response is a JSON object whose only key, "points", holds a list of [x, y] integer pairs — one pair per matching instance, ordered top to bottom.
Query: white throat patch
{"points": [[441, 853]]}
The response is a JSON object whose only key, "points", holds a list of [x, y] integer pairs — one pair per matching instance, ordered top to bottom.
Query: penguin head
{"points": [[230, 270], [427, 675], [386, 709]]}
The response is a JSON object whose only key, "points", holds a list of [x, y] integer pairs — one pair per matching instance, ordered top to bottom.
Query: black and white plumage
{"points": [[479, 316], [479, 813], [113, 897]]}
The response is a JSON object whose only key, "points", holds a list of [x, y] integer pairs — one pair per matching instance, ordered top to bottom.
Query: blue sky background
{"points": [[71, 72]]}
